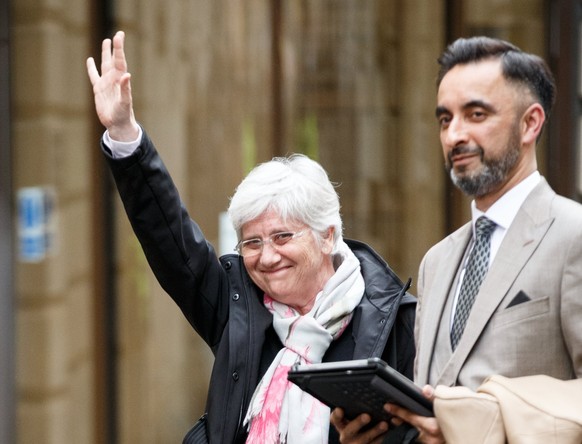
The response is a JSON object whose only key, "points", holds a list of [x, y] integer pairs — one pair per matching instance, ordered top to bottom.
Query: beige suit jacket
{"points": [[527, 316]]}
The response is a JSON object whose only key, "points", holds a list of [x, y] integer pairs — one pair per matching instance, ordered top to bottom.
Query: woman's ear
{"points": [[327, 246]]}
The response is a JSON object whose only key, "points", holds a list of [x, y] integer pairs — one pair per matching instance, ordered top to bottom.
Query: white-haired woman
{"points": [[295, 293]]}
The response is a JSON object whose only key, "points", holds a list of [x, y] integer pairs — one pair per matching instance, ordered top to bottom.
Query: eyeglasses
{"points": [[253, 247]]}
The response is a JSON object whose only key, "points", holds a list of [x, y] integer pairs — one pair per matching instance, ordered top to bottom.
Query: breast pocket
{"points": [[522, 312]]}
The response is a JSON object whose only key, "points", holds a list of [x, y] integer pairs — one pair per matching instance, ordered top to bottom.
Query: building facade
{"points": [[92, 350]]}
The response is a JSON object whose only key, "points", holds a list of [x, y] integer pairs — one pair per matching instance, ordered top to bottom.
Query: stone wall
{"points": [[204, 84], [219, 85], [51, 148]]}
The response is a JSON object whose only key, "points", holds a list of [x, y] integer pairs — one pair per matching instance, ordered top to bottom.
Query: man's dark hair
{"points": [[516, 65]]}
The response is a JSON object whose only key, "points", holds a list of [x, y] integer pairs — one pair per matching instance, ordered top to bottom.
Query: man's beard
{"points": [[492, 172]]}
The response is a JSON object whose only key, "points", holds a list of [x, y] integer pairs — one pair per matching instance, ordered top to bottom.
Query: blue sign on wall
{"points": [[35, 223]]}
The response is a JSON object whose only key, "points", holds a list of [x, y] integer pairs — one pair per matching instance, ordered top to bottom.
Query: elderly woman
{"points": [[296, 292]]}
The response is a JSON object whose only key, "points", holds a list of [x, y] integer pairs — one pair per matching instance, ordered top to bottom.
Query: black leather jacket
{"points": [[225, 307]]}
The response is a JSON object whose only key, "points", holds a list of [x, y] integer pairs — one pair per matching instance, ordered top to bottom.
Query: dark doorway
{"points": [[7, 346]]}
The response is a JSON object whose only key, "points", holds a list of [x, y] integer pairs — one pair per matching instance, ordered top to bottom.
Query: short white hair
{"points": [[296, 188]]}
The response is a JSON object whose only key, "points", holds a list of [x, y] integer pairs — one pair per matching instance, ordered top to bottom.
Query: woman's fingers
{"points": [[105, 56], [119, 61], [92, 71], [357, 431]]}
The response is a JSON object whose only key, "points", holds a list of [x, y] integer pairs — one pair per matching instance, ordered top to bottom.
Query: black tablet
{"points": [[360, 386]]}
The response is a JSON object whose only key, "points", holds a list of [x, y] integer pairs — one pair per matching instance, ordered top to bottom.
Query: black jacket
{"points": [[225, 307]]}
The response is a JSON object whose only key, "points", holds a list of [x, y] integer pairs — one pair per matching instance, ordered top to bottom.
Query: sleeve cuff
{"points": [[121, 149]]}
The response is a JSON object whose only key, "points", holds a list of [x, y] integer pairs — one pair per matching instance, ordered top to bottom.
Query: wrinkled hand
{"points": [[112, 90], [428, 428], [350, 432]]}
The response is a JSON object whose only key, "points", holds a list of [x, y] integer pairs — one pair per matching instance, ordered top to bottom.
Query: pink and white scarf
{"points": [[280, 412]]}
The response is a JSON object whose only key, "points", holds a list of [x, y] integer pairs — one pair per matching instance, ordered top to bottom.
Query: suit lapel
{"points": [[523, 237], [433, 304]]}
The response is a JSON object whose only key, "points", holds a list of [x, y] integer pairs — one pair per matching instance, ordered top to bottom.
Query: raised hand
{"points": [[112, 90]]}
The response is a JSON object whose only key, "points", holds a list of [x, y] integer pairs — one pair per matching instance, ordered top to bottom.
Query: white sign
{"points": [[226, 235]]}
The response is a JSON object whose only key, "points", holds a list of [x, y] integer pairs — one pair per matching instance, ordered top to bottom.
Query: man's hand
{"points": [[112, 90], [428, 428], [351, 431]]}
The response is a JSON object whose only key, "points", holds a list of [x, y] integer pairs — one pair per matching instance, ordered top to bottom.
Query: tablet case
{"points": [[360, 386]]}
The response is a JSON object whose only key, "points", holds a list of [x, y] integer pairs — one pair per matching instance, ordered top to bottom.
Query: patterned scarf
{"points": [[280, 412]]}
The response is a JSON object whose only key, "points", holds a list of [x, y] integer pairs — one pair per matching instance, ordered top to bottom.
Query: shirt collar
{"points": [[504, 210]]}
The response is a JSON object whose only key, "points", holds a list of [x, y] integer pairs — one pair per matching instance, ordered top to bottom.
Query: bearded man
{"points": [[503, 294]]}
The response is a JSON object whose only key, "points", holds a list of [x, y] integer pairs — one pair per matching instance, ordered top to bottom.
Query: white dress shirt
{"points": [[502, 212]]}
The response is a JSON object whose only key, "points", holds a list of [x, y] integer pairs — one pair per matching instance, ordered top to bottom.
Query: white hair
{"points": [[296, 188]]}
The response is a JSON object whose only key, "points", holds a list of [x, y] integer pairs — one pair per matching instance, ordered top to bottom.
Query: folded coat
{"points": [[525, 410]]}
